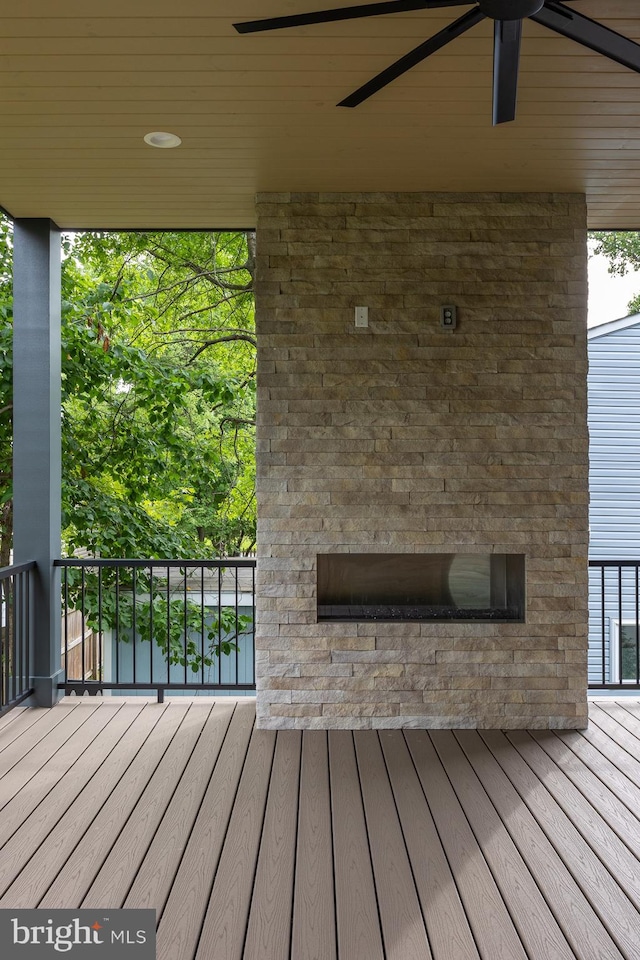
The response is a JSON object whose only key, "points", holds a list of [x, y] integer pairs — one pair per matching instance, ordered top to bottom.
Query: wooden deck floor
{"points": [[397, 845]]}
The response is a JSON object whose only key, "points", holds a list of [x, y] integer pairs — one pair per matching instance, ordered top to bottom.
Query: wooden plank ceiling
{"points": [[82, 81]]}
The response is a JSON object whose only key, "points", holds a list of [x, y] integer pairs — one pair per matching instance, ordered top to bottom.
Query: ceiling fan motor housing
{"points": [[509, 9]]}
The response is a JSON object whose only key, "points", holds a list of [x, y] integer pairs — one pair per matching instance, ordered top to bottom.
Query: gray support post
{"points": [[36, 443]]}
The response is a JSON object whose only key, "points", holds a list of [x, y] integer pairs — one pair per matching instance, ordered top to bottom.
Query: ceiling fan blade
{"points": [[345, 13], [589, 33], [420, 53], [506, 60]]}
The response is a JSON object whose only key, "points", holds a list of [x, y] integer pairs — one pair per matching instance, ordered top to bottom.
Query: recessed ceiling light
{"points": [[163, 140]]}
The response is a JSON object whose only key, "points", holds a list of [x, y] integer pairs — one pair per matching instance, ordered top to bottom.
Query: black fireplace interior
{"points": [[409, 586]]}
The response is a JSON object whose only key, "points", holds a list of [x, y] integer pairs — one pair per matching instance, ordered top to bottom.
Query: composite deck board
{"points": [[633, 706], [11, 716], [625, 718], [630, 718], [612, 727], [12, 729], [27, 742], [607, 742], [589, 747], [33, 779], [60, 780], [143, 791], [75, 793], [101, 811], [620, 818], [605, 843], [367, 845], [122, 864], [153, 881], [601, 889], [183, 915], [489, 918], [314, 921], [225, 923], [447, 924], [581, 926], [358, 927], [538, 928], [269, 929], [403, 929]]}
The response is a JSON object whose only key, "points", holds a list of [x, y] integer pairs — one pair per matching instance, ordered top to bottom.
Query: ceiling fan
{"points": [[508, 16]]}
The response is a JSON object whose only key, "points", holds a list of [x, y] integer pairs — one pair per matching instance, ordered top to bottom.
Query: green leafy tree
{"points": [[622, 249], [158, 382], [158, 385]]}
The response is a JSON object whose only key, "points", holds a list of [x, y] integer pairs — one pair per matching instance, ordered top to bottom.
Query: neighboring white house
{"points": [[614, 485]]}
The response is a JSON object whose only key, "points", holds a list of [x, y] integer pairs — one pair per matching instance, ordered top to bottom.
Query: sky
{"points": [[609, 296]]}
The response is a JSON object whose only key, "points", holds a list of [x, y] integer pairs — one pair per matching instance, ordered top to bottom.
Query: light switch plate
{"points": [[362, 316]]}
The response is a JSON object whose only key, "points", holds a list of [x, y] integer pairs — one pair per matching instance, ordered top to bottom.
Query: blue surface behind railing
{"points": [[614, 624], [181, 625], [15, 634]]}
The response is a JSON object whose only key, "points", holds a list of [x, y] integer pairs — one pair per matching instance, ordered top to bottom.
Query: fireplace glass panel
{"points": [[437, 586]]}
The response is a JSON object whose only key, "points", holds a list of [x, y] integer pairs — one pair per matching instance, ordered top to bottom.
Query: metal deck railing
{"points": [[614, 624], [158, 625], [133, 626], [15, 634]]}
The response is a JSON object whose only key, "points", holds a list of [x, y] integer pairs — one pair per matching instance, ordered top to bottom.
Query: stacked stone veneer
{"points": [[405, 437]]}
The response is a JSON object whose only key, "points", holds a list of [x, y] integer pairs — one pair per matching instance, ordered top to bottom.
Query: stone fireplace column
{"points": [[404, 437]]}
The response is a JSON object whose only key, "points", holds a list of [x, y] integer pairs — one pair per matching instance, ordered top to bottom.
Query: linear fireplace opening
{"points": [[434, 586]]}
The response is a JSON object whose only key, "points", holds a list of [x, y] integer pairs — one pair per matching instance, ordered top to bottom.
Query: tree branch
{"points": [[228, 339], [237, 421]]}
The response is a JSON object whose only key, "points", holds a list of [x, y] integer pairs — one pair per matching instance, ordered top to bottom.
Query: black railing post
{"points": [[65, 605], [133, 620], [168, 620], [253, 622], [151, 626], [602, 626], [202, 647], [618, 679]]}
